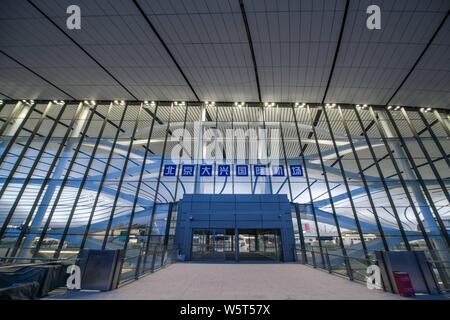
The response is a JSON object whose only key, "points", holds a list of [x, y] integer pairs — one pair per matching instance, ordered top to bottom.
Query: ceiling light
{"points": [[29, 102], [93, 102], [152, 103], [239, 104], [269, 104], [299, 105], [389, 107], [397, 108], [422, 109], [429, 109]]}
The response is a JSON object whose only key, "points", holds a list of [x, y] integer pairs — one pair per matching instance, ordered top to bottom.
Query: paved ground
{"points": [[238, 281]]}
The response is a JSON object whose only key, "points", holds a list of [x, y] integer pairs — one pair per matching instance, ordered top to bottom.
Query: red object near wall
{"points": [[404, 285]]}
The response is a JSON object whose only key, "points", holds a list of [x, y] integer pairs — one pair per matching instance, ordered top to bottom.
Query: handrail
{"points": [[326, 264], [20, 265]]}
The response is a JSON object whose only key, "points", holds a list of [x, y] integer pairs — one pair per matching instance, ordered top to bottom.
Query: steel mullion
{"points": [[14, 113], [441, 121], [16, 134], [435, 139], [266, 145], [24, 150], [233, 151], [247, 151], [425, 152], [181, 154], [215, 159], [286, 163], [16, 165], [49, 170], [398, 171], [122, 176], [344, 177], [363, 177], [382, 178], [419, 178], [103, 179], [64, 181], [83, 181], [403, 183], [327, 184], [308, 186], [138, 187], [155, 198], [297, 213], [166, 232], [300, 233]]}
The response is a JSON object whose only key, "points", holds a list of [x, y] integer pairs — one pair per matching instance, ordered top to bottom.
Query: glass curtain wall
{"points": [[107, 175]]}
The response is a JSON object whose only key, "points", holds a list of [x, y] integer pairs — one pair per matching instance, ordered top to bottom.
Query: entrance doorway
{"points": [[213, 244], [236, 244], [259, 244]]}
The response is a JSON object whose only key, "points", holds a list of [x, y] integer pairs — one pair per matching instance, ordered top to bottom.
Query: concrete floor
{"points": [[238, 281]]}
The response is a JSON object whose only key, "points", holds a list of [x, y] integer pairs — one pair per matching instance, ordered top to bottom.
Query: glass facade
{"points": [[93, 175]]}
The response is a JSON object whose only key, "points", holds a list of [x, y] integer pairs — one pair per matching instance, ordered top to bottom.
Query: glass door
{"points": [[213, 244], [259, 244]]}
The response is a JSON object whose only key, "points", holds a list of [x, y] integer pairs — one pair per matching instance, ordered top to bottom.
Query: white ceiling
{"points": [[116, 54]]}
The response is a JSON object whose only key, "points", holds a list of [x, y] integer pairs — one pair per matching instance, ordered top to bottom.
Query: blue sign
{"points": [[170, 170], [187, 170], [205, 170], [223, 170], [242, 170], [260, 170], [296, 170], [278, 171]]}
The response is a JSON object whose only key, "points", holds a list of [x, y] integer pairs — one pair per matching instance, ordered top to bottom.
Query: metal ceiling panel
{"points": [[118, 37], [208, 40], [294, 42], [39, 45], [372, 64], [429, 83]]}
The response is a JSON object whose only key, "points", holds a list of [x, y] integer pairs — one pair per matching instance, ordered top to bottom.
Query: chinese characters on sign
{"points": [[225, 170]]}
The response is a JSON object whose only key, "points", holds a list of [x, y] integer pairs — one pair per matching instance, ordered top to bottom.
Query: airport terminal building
{"points": [[169, 147], [222, 181]]}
